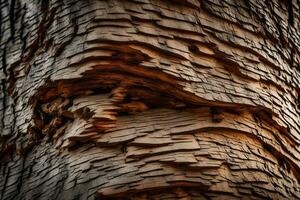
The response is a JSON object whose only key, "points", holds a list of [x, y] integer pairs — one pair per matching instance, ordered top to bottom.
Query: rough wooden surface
{"points": [[150, 99]]}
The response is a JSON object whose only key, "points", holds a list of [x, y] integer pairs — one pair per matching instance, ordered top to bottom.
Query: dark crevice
{"points": [[45, 5], [249, 7], [290, 12], [12, 19], [292, 54], [4, 65], [11, 81], [3, 86], [216, 114], [76, 145], [124, 148], [7, 172]]}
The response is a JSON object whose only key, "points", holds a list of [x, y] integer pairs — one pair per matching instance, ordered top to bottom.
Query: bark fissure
{"points": [[12, 19], [3, 86]]}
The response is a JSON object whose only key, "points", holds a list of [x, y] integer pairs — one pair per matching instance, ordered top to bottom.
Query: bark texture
{"points": [[150, 99]]}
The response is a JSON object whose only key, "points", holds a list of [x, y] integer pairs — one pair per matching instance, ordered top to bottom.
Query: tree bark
{"points": [[150, 99]]}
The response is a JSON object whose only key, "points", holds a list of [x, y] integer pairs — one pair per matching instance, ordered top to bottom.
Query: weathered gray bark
{"points": [[150, 99]]}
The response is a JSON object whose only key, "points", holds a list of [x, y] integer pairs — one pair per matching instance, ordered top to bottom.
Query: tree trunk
{"points": [[150, 99]]}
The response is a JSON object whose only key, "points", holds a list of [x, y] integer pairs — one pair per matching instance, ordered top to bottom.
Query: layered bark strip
{"points": [[150, 99]]}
